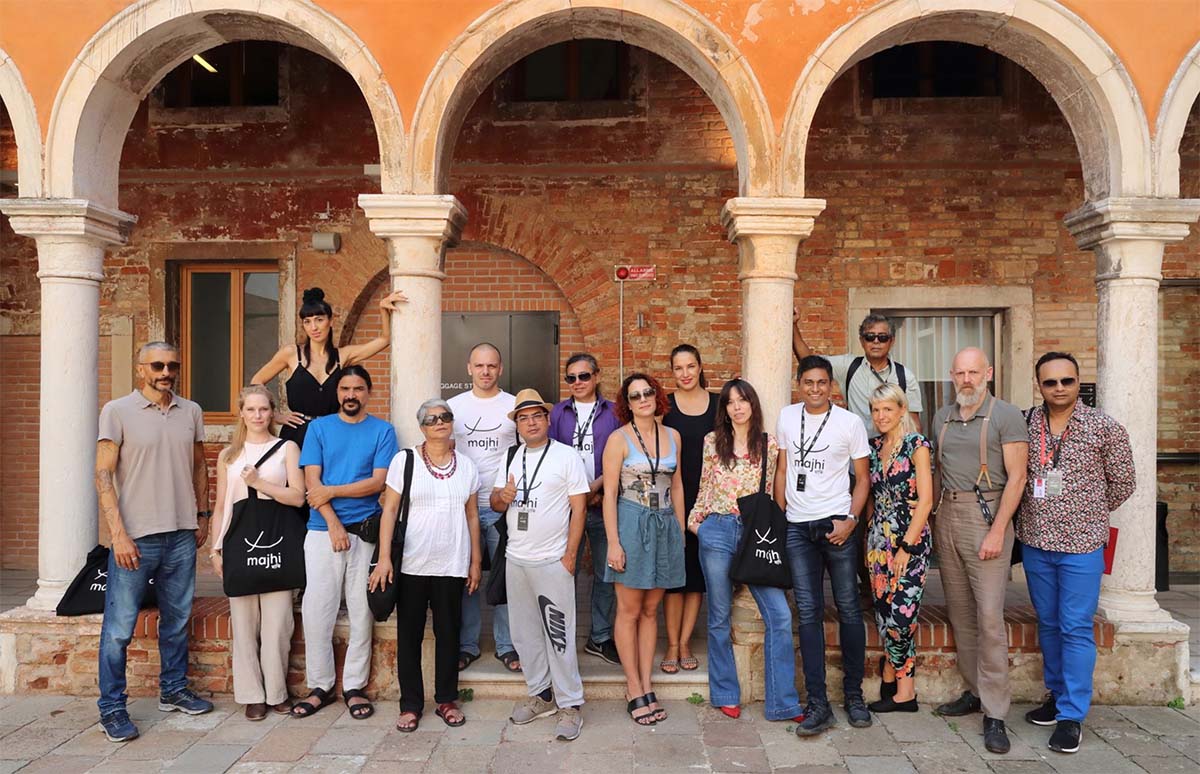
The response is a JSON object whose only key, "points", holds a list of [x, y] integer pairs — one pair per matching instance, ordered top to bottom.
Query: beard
{"points": [[966, 397], [351, 407]]}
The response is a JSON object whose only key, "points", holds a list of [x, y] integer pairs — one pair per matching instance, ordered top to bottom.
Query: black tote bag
{"points": [[263, 550], [761, 558], [495, 591], [85, 595], [382, 601]]}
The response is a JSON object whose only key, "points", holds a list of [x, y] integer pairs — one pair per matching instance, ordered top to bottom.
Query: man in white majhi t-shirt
{"points": [[483, 432]]}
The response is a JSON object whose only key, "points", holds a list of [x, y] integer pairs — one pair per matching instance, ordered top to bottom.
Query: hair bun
{"points": [[314, 296]]}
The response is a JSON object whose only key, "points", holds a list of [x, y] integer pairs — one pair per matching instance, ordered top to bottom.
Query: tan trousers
{"points": [[975, 597], [262, 639]]}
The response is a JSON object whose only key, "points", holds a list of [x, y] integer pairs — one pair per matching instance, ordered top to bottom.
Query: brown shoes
{"points": [[256, 711]]}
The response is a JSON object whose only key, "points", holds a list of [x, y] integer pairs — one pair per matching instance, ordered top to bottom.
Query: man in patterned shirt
{"points": [[1080, 469]]}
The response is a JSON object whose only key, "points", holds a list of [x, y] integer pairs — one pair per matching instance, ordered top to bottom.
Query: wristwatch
{"points": [[203, 514]]}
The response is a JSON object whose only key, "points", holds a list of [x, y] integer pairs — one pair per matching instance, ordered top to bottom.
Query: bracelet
{"points": [[203, 514]]}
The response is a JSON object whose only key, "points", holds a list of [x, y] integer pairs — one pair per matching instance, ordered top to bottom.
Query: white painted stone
{"points": [[1173, 113], [26, 129]]}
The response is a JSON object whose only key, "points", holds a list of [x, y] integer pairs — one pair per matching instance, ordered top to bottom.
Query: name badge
{"points": [[801, 481], [1054, 483], [1039, 489], [652, 497], [523, 520]]}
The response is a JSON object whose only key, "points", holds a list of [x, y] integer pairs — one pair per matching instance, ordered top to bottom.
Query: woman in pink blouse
{"points": [[733, 454]]}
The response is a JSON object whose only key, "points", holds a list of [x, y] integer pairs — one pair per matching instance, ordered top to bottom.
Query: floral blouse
{"points": [[720, 486]]}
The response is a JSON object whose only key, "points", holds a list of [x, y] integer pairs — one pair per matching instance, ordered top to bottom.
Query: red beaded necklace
{"points": [[441, 473]]}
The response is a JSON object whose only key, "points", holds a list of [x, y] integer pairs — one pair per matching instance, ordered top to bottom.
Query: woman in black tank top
{"points": [[316, 363]]}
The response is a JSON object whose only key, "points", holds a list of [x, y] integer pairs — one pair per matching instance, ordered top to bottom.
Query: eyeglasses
{"points": [[882, 338], [158, 365], [586, 376], [1050, 384], [634, 397], [445, 418], [529, 419]]}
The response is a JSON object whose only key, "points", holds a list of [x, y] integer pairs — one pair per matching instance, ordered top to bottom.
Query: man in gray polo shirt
{"points": [[981, 453], [151, 476]]}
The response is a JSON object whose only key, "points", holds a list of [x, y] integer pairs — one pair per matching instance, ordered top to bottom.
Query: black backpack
{"points": [[897, 367]]}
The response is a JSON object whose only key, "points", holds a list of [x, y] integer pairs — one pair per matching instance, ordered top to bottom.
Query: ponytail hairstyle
{"points": [[315, 305], [688, 349], [723, 431], [238, 441]]}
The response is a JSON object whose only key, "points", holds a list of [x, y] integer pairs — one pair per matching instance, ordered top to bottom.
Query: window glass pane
{"points": [[599, 70], [260, 74], [545, 74], [211, 89], [260, 321], [928, 345], [208, 372]]}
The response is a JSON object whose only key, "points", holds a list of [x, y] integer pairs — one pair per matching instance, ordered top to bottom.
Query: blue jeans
{"points": [[719, 536], [810, 554], [170, 559], [1065, 589], [604, 599], [472, 619]]}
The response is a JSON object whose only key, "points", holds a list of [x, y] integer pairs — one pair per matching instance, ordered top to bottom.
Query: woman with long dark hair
{"points": [[315, 364], [693, 413]]}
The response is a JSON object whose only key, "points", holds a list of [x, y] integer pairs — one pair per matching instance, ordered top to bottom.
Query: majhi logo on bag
{"points": [[769, 555], [268, 561]]}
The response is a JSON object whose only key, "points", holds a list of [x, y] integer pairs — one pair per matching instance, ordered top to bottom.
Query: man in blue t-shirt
{"points": [[345, 460]]}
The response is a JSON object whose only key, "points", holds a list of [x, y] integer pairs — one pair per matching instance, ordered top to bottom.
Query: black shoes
{"points": [[606, 651], [886, 690], [891, 705], [963, 705], [857, 713], [1044, 715], [817, 718], [995, 738], [1065, 738]]}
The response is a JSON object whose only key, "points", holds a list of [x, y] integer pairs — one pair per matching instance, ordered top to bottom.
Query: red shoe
{"points": [[734, 712], [799, 718]]}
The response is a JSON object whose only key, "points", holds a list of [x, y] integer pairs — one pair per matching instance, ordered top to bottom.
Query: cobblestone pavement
{"points": [[60, 734]]}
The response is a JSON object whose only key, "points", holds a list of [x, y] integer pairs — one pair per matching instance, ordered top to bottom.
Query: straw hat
{"points": [[528, 398]]}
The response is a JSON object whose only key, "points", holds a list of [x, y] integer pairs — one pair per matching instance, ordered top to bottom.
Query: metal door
{"points": [[528, 342]]}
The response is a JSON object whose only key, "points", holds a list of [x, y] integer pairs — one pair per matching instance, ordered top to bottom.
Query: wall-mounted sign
{"points": [[634, 273]]}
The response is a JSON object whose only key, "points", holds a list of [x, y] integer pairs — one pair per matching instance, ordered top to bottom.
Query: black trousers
{"points": [[417, 594]]}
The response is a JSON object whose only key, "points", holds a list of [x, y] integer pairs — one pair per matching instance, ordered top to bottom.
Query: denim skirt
{"points": [[653, 545]]}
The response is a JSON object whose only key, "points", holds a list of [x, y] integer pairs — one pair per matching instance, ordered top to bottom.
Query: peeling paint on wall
{"points": [[753, 17]]}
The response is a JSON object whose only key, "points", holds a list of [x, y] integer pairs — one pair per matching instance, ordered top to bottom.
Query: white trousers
{"points": [[329, 575], [262, 639]]}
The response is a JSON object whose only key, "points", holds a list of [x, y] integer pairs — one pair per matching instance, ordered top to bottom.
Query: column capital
{"points": [[410, 215], [770, 216], [78, 218], [1131, 219]]}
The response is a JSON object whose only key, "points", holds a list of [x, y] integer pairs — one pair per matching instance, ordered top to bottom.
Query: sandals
{"points": [[466, 659], [511, 661], [689, 663], [669, 666], [304, 708], [362, 710], [443, 711], [660, 714], [646, 719], [408, 728]]}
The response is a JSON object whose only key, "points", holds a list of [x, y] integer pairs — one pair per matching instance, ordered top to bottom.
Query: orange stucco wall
{"points": [[776, 37]]}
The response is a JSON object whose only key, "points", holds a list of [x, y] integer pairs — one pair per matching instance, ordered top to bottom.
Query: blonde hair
{"points": [[896, 395], [238, 441]]}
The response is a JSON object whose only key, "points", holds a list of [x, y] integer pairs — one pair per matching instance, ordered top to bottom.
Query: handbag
{"points": [[263, 550], [761, 558], [495, 592], [85, 595], [382, 601]]}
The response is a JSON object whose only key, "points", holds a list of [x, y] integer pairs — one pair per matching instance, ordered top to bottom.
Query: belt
{"points": [[967, 494], [649, 521]]}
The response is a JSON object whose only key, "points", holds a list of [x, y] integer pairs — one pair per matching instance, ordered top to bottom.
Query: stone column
{"points": [[417, 229], [768, 232], [71, 235], [1128, 236]]}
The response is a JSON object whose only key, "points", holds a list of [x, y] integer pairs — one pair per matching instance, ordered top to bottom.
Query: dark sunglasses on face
{"points": [[882, 338], [158, 365], [586, 376], [1050, 384], [634, 397], [431, 420]]}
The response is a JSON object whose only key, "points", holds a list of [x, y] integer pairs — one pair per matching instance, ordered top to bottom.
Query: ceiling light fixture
{"points": [[203, 63]]}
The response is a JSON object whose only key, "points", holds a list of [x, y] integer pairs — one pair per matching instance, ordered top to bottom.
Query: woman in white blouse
{"points": [[441, 556], [261, 623]]}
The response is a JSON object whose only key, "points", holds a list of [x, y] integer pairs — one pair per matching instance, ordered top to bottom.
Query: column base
{"points": [[48, 595], [1124, 606]]}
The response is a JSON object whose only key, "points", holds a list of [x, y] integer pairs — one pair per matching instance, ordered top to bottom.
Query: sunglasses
{"points": [[882, 338], [158, 365], [586, 376], [1050, 384], [634, 397], [445, 418], [529, 419]]}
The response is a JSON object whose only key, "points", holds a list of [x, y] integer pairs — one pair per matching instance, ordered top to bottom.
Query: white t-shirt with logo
{"points": [[483, 432], [585, 445], [826, 468], [547, 512], [437, 541]]}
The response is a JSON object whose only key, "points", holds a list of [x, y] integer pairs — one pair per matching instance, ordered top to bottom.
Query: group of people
{"points": [[651, 483]]}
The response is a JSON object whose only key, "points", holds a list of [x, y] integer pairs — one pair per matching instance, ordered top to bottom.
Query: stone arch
{"points": [[667, 28], [141, 44], [1080, 70], [19, 103], [1177, 106]]}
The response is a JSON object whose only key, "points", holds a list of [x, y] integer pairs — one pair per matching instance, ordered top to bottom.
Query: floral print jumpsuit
{"points": [[894, 485]]}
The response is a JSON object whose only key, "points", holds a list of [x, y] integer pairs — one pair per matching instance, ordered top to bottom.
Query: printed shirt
{"points": [[1097, 468], [721, 486]]}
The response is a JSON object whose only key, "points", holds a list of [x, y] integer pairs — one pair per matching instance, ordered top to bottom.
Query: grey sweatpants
{"points": [[541, 618]]}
